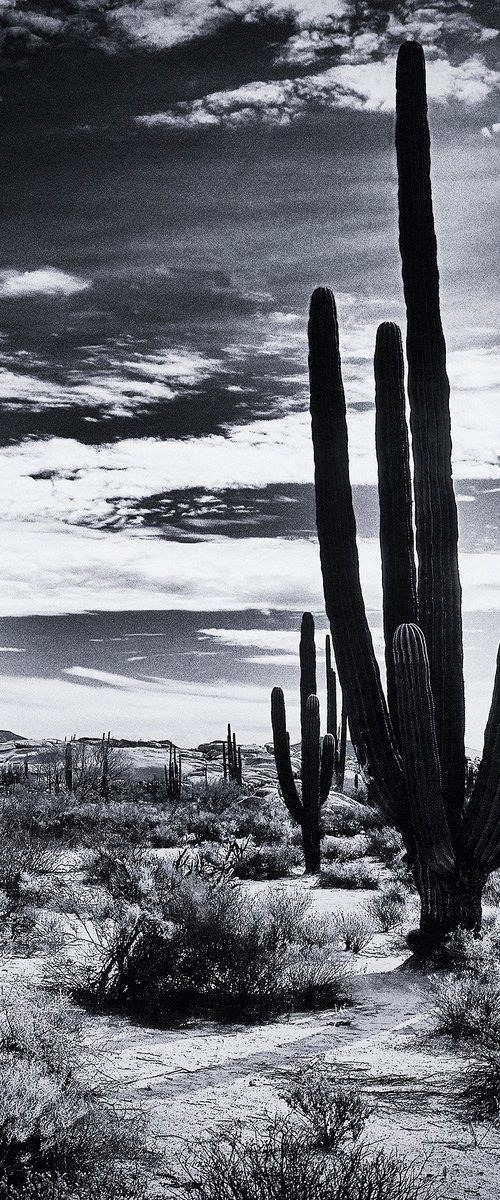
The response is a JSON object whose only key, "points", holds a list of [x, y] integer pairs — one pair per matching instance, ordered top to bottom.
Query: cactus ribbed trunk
{"points": [[399, 581], [439, 592], [307, 659], [331, 691], [369, 721], [318, 758], [311, 842], [447, 902]]}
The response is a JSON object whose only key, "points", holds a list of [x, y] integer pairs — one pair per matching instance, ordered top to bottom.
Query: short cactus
{"points": [[318, 758]]}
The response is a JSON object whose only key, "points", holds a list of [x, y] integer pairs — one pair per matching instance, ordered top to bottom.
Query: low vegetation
{"points": [[59, 1135], [315, 1152]]}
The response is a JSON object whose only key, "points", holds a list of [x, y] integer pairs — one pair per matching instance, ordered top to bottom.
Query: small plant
{"points": [[350, 820], [385, 844], [343, 850], [266, 862], [357, 875], [492, 888], [386, 910], [354, 931], [467, 1004], [481, 1094], [335, 1113], [58, 1134], [282, 1162]]}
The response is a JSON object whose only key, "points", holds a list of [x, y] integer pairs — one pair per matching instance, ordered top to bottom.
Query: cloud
{"points": [[367, 86], [46, 281], [123, 388], [61, 479], [115, 572], [188, 713]]}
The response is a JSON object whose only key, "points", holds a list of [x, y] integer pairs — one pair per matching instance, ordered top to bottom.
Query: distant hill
{"points": [[7, 736]]}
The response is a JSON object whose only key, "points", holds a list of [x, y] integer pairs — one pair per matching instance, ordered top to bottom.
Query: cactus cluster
{"points": [[411, 745], [318, 757], [231, 758], [173, 774]]}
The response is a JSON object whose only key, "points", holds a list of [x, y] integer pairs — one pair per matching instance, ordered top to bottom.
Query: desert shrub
{"points": [[216, 795], [348, 821], [385, 844], [343, 850], [22, 854], [266, 862], [123, 870], [349, 875], [492, 888], [386, 910], [354, 930], [205, 945], [467, 1004], [481, 1093], [336, 1114], [55, 1126], [282, 1163]]}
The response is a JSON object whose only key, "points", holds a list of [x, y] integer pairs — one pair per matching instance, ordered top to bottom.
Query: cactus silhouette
{"points": [[411, 746], [318, 758]]}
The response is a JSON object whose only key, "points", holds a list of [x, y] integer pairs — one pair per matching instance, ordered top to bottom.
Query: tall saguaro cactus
{"points": [[412, 746], [317, 758]]}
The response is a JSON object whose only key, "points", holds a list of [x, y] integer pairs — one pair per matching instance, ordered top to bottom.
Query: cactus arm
{"points": [[399, 583], [439, 592], [307, 656], [331, 690], [369, 720], [342, 747], [419, 750], [282, 756], [311, 761], [327, 767], [311, 834], [480, 837]]}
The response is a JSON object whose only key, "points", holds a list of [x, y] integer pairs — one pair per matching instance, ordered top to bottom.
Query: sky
{"points": [[176, 180]]}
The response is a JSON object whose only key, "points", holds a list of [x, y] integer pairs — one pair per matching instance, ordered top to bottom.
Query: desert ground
{"points": [[189, 1074]]}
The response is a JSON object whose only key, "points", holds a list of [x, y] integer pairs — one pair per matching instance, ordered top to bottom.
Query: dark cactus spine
{"points": [[399, 582], [439, 591], [331, 691], [369, 721], [68, 766]]}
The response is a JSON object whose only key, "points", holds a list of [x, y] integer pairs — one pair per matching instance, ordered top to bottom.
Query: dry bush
{"points": [[386, 844], [352, 876], [387, 909], [354, 931], [203, 945], [467, 1004], [336, 1114], [55, 1125], [283, 1163]]}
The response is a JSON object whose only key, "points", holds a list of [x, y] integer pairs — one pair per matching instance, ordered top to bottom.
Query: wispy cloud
{"points": [[367, 86], [45, 281], [121, 388], [62, 479], [117, 572], [187, 712]]}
